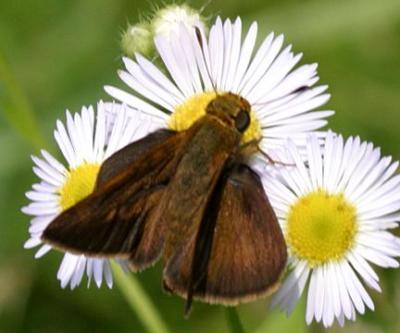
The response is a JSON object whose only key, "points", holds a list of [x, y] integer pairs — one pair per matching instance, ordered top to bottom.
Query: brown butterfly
{"points": [[189, 197]]}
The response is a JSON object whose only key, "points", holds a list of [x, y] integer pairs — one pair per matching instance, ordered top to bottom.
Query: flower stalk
{"points": [[139, 301], [233, 320]]}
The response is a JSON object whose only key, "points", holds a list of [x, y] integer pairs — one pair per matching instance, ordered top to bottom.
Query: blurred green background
{"points": [[58, 54]]}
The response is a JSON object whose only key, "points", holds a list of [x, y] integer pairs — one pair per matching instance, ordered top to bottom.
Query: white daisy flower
{"points": [[283, 99], [85, 142], [335, 210]]}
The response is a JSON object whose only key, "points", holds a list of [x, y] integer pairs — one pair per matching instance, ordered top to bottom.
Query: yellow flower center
{"points": [[195, 107], [79, 184], [321, 227]]}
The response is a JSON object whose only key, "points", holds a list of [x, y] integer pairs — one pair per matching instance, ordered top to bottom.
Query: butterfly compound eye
{"points": [[242, 120]]}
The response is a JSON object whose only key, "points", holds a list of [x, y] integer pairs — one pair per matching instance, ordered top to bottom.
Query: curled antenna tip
{"points": [[199, 37]]}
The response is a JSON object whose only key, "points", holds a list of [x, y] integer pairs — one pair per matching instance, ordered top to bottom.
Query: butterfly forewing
{"points": [[122, 160], [111, 221]]}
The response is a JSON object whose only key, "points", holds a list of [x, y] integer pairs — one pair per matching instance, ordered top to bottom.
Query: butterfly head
{"points": [[231, 109]]}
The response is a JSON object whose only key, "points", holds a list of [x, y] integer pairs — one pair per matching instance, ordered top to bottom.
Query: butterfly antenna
{"points": [[200, 40], [273, 161]]}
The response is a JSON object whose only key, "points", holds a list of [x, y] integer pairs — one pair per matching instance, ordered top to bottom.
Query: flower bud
{"points": [[167, 20], [137, 38]]}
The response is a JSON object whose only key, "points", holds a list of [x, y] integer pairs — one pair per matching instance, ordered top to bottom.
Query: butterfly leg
{"points": [[252, 147]]}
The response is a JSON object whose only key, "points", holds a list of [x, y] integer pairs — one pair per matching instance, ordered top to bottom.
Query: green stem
{"points": [[16, 108], [139, 301], [233, 320]]}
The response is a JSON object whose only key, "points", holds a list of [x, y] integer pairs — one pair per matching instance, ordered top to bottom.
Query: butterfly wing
{"points": [[122, 159], [116, 220], [239, 252]]}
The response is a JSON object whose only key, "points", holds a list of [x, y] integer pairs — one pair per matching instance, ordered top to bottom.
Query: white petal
{"points": [[185, 41], [245, 56], [234, 57], [203, 59], [261, 62], [282, 65], [175, 67], [157, 76], [299, 78], [139, 83], [134, 102], [100, 133], [64, 142], [315, 160], [53, 162], [47, 178], [45, 188], [42, 196], [36, 209], [38, 224], [380, 241], [32, 242], [42, 251], [377, 258], [67, 269], [89, 270], [364, 270], [98, 271], [78, 272], [108, 274], [289, 283], [358, 287], [343, 292], [296, 293], [320, 293], [335, 295], [311, 298], [328, 310]]}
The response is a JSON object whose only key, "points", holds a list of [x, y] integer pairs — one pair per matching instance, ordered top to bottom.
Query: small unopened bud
{"points": [[167, 20], [137, 38]]}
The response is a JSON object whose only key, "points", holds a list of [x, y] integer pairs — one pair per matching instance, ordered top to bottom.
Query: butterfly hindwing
{"points": [[239, 252]]}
